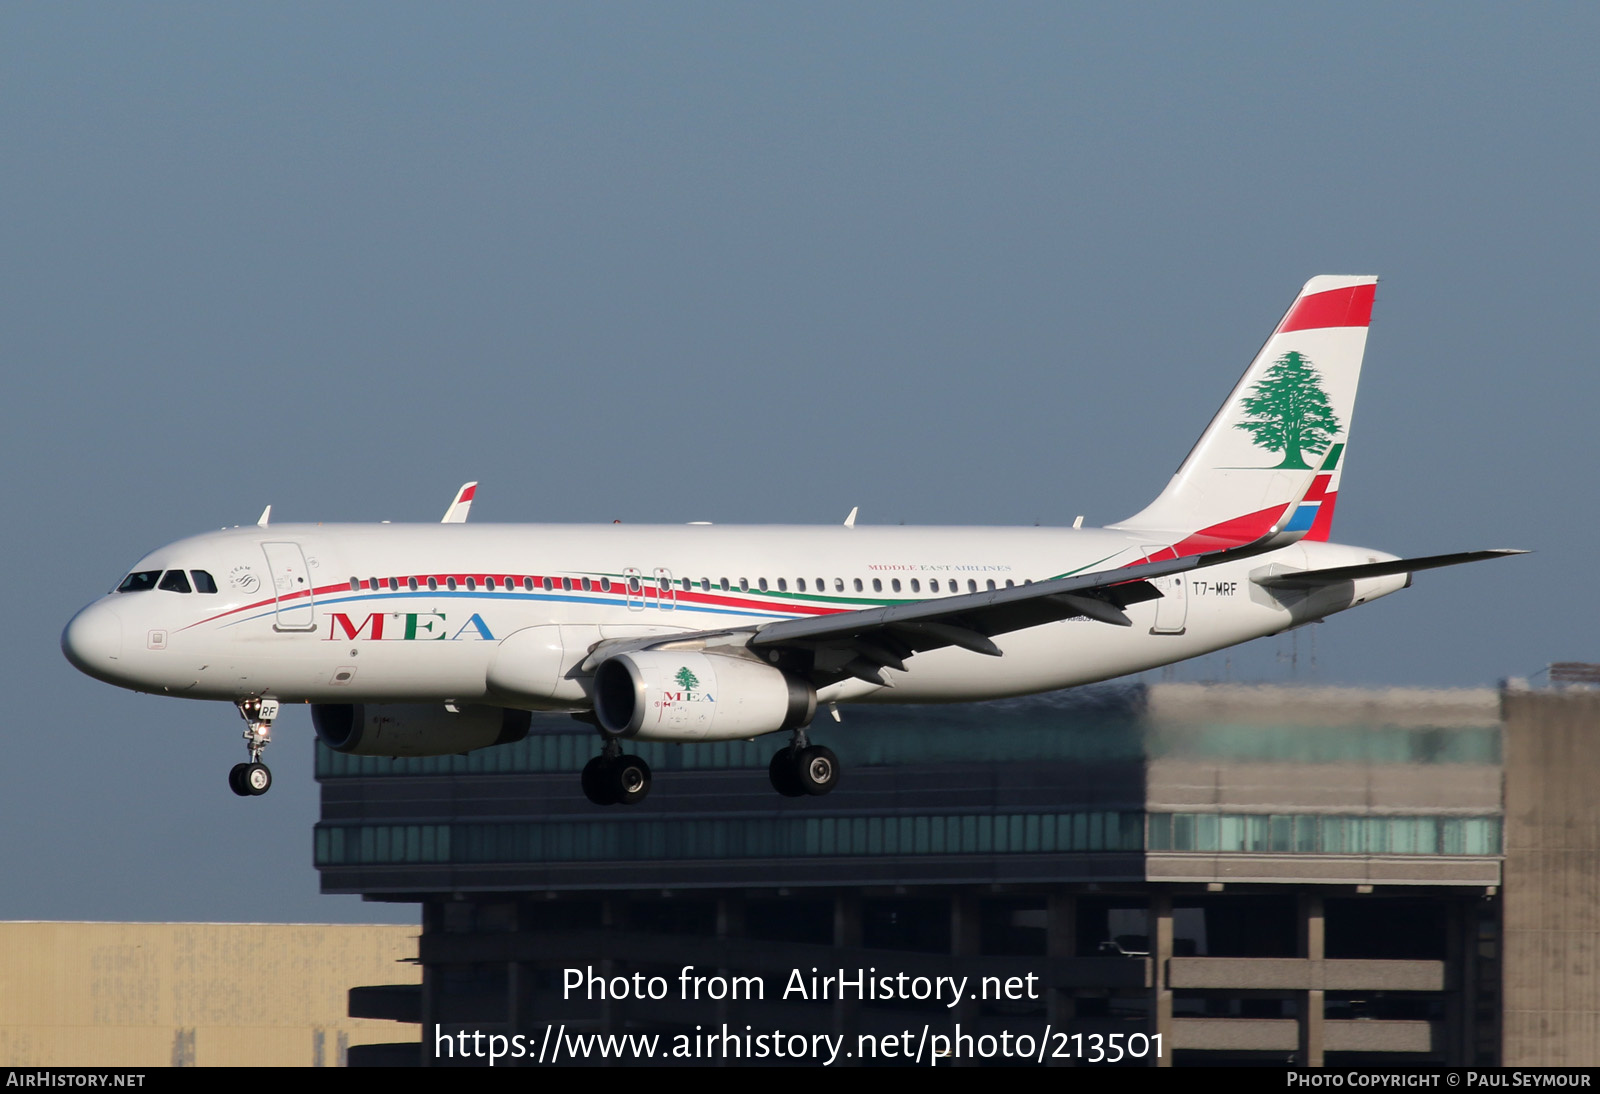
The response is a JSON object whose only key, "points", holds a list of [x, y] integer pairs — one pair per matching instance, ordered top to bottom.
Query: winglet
{"points": [[457, 513], [266, 515], [850, 521]]}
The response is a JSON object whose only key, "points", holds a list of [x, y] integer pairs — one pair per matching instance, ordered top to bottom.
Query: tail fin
{"points": [[1279, 440]]}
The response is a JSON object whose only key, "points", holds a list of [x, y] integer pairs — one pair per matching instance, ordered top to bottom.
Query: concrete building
{"points": [[1255, 875], [1552, 877], [184, 994]]}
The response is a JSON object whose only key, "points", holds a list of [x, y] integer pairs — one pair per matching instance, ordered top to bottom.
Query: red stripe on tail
{"points": [[1350, 307]]}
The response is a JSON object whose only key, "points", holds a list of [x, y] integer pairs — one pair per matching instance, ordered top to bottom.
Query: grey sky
{"points": [[953, 264]]}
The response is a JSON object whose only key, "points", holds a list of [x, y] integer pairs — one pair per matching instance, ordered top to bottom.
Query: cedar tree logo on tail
{"points": [[1290, 412]]}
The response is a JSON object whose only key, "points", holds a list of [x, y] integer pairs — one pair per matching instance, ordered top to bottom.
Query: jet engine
{"points": [[663, 695], [415, 729]]}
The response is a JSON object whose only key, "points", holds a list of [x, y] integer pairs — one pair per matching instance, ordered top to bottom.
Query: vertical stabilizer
{"points": [[1271, 456]]}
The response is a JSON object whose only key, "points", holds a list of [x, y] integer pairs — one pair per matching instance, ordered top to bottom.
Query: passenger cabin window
{"points": [[176, 581], [139, 582], [203, 582], [762, 582], [411, 583], [450, 583], [488, 583], [894, 583], [355, 584], [394, 584], [433, 584], [527, 584], [605, 584], [744, 584], [800, 584], [858, 584], [933, 584], [991, 584], [783, 585], [838, 585], [877, 585], [972, 585], [586, 586], [916, 586]]}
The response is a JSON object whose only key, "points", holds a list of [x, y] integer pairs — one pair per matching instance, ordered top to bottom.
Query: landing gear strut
{"points": [[803, 769], [254, 778], [614, 779]]}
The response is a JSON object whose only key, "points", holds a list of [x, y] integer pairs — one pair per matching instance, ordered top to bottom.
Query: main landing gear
{"points": [[803, 769], [800, 770], [254, 778], [614, 779]]}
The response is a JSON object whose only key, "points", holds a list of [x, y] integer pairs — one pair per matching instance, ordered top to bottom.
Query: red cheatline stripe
{"points": [[1349, 307], [466, 495]]}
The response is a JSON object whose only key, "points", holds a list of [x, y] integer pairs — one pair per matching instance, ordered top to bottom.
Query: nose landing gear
{"points": [[254, 778]]}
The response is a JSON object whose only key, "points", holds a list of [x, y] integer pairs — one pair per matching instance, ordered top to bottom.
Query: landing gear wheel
{"points": [[816, 770], [784, 775], [252, 779], [256, 779], [630, 780], [597, 784]]}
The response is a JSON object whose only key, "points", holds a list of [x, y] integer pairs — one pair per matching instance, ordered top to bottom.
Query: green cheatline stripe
{"points": [[1332, 460], [1085, 566], [694, 587]]}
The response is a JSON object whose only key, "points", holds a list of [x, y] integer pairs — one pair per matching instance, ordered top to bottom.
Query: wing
{"points": [[860, 644]]}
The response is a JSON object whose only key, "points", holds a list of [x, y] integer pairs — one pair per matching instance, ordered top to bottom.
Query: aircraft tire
{"points": [[816, 770], [785, 774], [256, 779], [236, 780], [630, 780], [597, 784]]}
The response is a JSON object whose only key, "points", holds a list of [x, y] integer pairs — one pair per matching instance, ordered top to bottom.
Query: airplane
{"points": [[419, 639]]}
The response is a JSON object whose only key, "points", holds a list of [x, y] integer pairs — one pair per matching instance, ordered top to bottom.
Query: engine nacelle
{"points": [[660, 695], [415, 729]]}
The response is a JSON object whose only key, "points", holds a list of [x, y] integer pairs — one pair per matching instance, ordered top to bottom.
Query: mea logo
{"points": [[1289, 412], [407, 627], [688, 681]]}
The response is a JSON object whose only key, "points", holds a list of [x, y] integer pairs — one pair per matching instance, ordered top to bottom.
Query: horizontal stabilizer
{"points": [[1310, 579]]}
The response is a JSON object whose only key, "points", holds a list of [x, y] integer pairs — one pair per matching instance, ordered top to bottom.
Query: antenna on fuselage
{"points": [[266, 515], [850, 521]]}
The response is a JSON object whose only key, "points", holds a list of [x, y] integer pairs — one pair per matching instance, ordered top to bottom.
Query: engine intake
{"points": [[661, 695], [415, 729]]}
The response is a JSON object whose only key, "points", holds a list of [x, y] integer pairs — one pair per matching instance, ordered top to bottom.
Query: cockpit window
{"points": [[139, 582], [175, 582], [203, 582]]}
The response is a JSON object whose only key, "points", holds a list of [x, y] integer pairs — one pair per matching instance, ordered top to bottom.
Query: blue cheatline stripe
{"points": [[1302, 519], [546, 598]]}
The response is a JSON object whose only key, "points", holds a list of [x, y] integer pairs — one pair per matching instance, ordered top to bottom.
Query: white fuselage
{"points": [[412, 613]]}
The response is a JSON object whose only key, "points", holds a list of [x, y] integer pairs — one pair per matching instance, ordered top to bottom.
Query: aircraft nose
{"points": [[93, 640]]}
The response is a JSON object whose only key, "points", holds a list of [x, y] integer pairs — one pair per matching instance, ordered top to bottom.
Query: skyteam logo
{"points": [[1290, 413]]}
